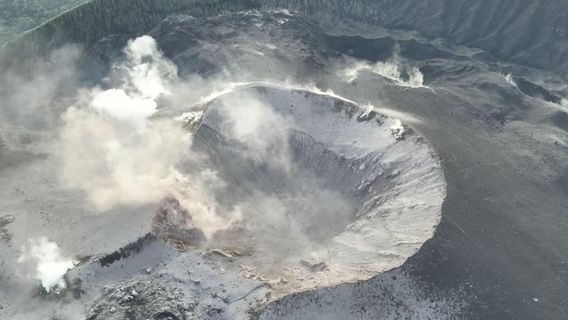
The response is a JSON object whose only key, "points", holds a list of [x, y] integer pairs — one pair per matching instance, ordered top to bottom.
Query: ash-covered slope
{"points": [[522, 31]]}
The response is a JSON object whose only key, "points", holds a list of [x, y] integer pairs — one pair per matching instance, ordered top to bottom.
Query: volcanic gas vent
{"points": [[314, 189]]}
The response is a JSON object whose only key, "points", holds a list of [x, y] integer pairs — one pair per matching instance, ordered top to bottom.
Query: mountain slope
{"points": [[526, 32]]}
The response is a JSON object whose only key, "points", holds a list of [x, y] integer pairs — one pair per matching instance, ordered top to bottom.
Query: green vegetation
{"points": [[17, 16]]}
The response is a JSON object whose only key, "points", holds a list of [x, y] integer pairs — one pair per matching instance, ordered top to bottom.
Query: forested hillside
{"points": [[17, 16]]}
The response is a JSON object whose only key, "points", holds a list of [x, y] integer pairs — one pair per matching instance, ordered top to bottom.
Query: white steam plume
{"points": [[393, 69], [143, 78], [254, 124], [110, 148], [114, 150], [117, 164], [50, 264]]}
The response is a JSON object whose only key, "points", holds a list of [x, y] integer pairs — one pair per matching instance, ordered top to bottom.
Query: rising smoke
{"points": [[394, 69], [260, 131], [110, 148], [114, 150], [50, 264]]}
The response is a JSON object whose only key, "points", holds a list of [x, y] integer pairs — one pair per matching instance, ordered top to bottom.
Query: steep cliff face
{"points": [[532, 33]]}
